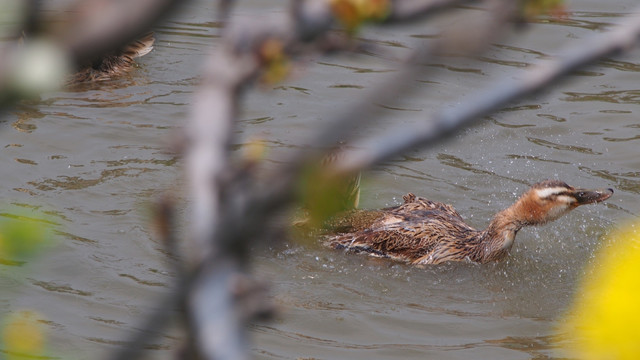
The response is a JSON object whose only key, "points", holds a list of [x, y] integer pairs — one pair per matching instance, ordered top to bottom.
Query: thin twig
{"points": [[444, 124], [343, 125], [215, 322], [152, 324]]}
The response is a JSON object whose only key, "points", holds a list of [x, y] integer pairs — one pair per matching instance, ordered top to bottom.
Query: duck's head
{"points": [[550, 199]]}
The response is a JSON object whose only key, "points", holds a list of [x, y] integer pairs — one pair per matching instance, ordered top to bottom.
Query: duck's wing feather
{"points": [[141, 46], [115, 63], [413, 203], [415, 236]]}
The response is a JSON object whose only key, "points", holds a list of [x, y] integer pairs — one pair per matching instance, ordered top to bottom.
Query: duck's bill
{"points": [[584, 196]]}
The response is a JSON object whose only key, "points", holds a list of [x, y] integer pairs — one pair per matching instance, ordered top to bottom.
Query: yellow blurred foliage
{"points": [[534, 8], [352, 13], [276, 62], [254, 150], [325, 194], [604, 321], [23, 336]]}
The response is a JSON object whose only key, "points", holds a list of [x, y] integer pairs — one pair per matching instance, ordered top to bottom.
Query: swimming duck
{"points": [[115, 63], [422, 231]]}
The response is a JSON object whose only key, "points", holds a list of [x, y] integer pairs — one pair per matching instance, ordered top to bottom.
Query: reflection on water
{"points": [[355, 69], [458, 69], [617, 97], [552, 117], [562, 147], [94, 158], [76, 182], [60, 288]]}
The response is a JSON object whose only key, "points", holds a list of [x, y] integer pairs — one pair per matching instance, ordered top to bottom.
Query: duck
{"points": [[113, 64], [422, 232]]}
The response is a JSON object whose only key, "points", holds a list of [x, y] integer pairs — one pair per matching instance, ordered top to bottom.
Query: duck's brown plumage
{"points": [[115, 63], [422, 231]]}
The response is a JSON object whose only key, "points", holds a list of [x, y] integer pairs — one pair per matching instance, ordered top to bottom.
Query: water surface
{"points": [[95, 159]]}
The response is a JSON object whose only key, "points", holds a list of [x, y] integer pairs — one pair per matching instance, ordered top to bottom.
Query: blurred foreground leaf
{"points": [[532, 9], [276, 62], [39, 66], [325, 194], [22, 236], [604, 321], [22, 336]]}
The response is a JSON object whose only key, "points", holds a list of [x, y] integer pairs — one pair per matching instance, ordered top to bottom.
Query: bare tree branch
{"points": [[153, 323], [216, 327], [219, 327]]}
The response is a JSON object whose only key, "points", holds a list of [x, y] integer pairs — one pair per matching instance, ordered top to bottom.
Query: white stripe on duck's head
{"points": [[550, 199]]}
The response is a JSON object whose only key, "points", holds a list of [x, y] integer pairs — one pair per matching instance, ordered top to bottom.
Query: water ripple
{"points": [[356, 69], [612, 96], [621, 139], [552, 145], [77, 182], [143, 282], [66, 289]]}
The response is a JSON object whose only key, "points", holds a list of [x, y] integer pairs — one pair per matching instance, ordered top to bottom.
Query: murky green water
{"points": [[96, 159]]}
